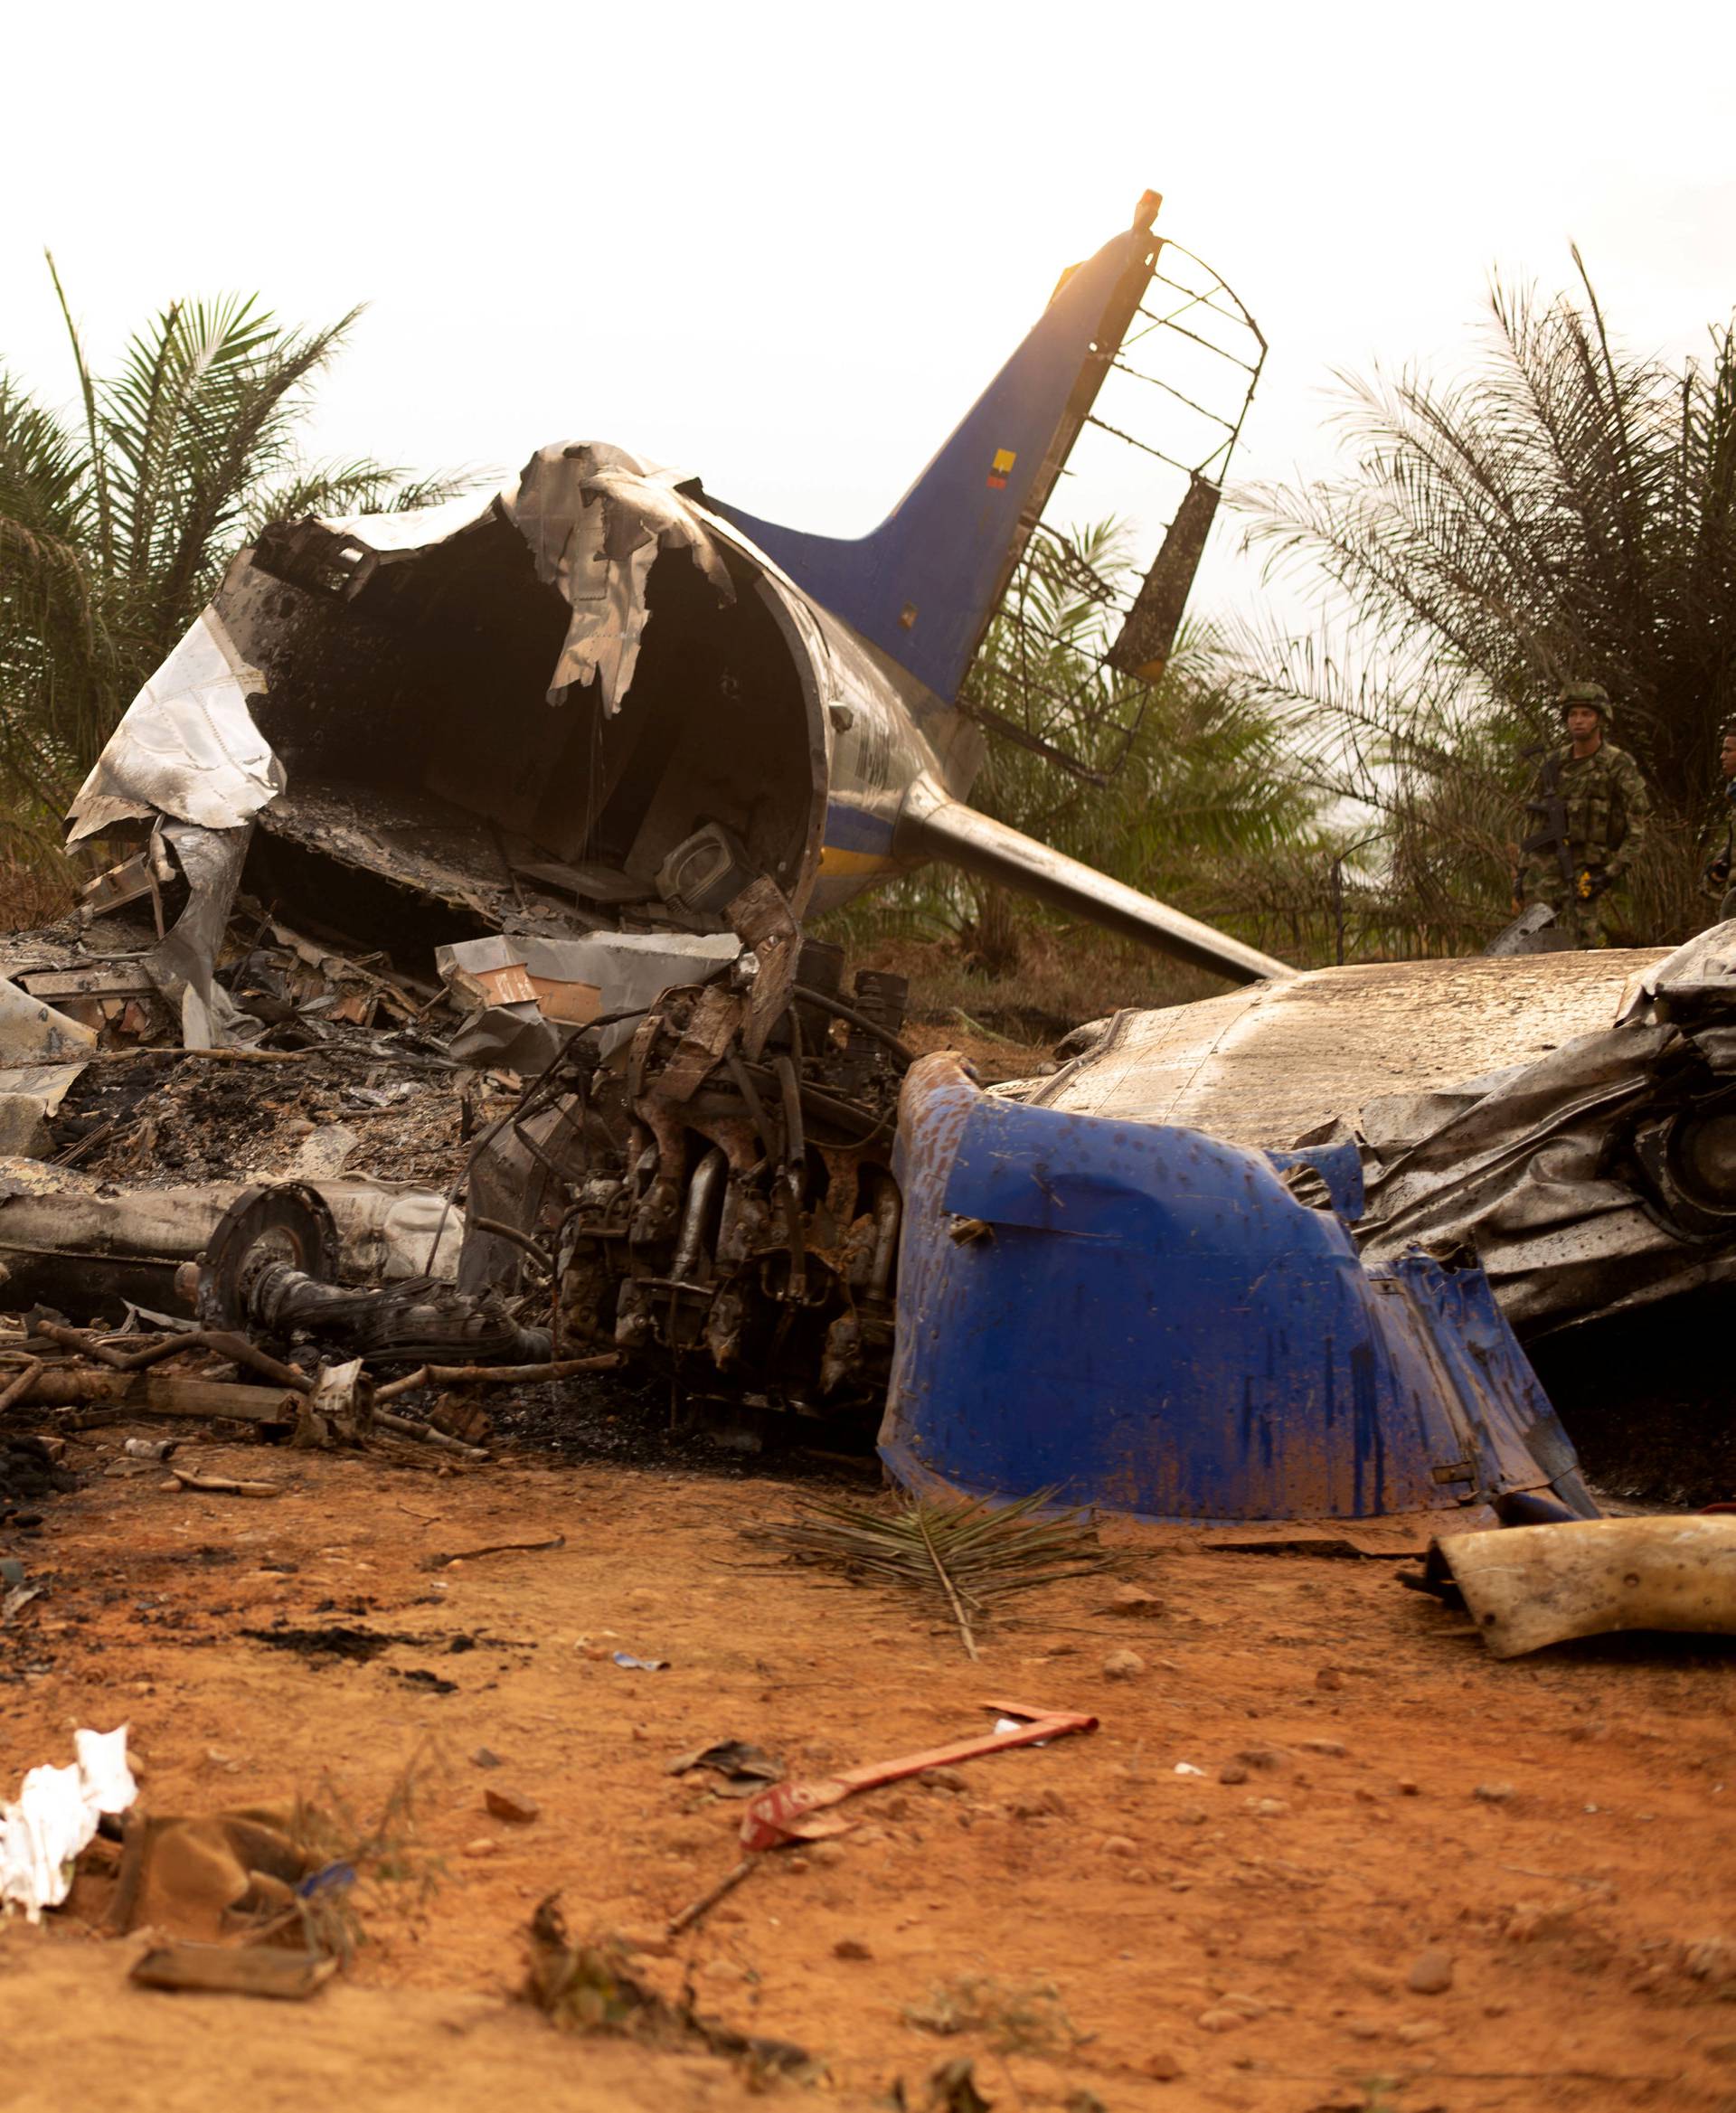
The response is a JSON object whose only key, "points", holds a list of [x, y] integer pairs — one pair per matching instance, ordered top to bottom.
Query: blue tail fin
{"points": [[924, 585]]}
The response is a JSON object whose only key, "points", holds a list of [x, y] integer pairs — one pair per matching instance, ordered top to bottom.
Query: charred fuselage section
{"points": [[709, 1185], [749, 1229]]}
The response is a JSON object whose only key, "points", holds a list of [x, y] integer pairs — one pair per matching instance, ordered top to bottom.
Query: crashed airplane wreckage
{"points": [[599, 746]]}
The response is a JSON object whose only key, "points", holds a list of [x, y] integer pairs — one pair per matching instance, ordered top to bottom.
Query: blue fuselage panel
{"points": [[1145, 1318]]}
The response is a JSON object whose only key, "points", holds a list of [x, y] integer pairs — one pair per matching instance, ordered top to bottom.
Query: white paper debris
{"points": [[1187, 1768], [55, 1819]]}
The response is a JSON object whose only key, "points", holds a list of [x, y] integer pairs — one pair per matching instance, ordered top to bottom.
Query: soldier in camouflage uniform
{"points": [[1589, 808], [1718, 874]]}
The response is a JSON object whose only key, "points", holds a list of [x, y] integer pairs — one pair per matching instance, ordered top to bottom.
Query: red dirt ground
{"points": [[1204, 1944]]}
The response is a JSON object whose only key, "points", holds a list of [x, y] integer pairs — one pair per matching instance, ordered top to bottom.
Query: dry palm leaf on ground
{"points": [[967, 1553]]}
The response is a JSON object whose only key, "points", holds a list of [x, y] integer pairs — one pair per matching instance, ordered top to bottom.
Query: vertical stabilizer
{"points": [[925, 584]]}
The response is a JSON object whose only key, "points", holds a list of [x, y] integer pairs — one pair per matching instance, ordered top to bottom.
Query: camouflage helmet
{"points": [[1591, 694]]}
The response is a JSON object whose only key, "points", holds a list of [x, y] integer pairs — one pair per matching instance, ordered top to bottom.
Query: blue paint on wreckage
{"points": [[1145, 1319]]}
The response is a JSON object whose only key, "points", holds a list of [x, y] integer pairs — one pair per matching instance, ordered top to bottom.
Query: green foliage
{"points": [[1567, 511], [115, 528]]}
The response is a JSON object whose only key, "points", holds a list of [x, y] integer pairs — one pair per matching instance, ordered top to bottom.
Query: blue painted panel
{"points": [[855, 829], [1145, 1319]]}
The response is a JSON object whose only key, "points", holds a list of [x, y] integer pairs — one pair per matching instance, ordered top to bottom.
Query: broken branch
{"points": [[84, 1342], [506, 1375], [17, 1387], [160, 1394], [424, 1435], [222, 1485], [440, 1563], [707, 1900]]}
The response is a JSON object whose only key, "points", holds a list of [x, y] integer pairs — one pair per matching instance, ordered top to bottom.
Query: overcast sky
{"points": [[785, 247]]}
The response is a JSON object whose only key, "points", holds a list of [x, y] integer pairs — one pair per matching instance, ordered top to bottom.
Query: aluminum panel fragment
{"points": [[596, 518], [187, 745]]}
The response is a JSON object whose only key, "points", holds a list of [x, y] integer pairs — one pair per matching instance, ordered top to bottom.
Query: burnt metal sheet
{"points": [[596, 517], [183, 964], [42, 1053], [1265, 1065], [1600, 1177], [1143, 1318]]}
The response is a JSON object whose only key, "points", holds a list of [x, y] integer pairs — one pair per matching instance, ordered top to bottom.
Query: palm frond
{"points": [[88, 394], [362, 486], [111, 538], [966, 1554]]}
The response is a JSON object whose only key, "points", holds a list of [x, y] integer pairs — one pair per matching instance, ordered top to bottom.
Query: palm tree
{"points": [[1566, 511], [115, 528]]}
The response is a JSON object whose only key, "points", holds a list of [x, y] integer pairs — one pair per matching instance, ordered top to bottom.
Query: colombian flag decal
{"points": [[1004, 457]]}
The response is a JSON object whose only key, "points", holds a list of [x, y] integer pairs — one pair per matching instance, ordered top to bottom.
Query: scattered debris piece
{"points": [[497, 1376], [220, 1485], [1529, 1586], [629, 1664], [743, 1767], [512, 1805], [782, 1815], [55, 1818], [208, 1875], [709, 1899], [224, 1970]]}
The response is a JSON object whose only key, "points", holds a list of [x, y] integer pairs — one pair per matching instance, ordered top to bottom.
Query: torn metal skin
{"points": [[420, 723], [1596, 1180]]}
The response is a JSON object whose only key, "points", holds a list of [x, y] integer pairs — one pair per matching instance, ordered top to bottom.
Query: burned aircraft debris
{"points": [[602, 701], [595, 750]]}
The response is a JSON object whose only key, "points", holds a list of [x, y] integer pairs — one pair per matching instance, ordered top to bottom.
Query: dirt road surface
{"points": [[1381, 1809]]}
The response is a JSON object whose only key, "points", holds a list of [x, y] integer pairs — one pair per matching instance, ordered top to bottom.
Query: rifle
{"points": [[1552, 808]]}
